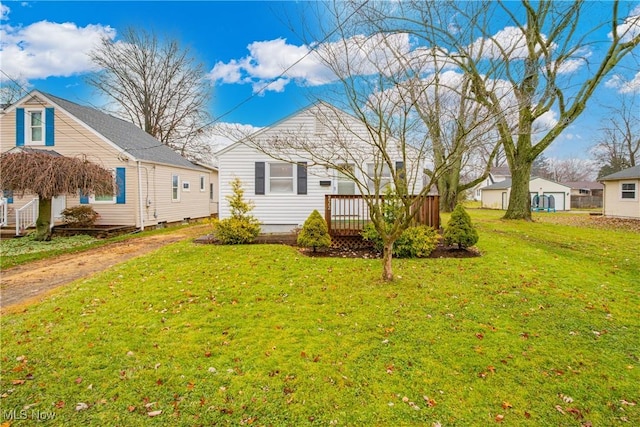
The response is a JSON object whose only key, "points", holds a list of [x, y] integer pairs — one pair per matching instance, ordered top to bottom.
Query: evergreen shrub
{"points": [[460, 231], [314, 233]]}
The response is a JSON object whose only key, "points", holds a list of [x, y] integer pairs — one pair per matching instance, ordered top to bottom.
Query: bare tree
{"points": [[529, 62], [158, 86], [10, 91], [459, 129], [369, 134], [618, 145], [571, 170], [48, 175]]}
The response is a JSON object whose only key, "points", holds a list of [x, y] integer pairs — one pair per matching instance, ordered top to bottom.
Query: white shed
{"points": [[496, 196]]}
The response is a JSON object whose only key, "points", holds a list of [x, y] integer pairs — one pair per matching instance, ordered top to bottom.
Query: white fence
{"points": [[26, 216]]}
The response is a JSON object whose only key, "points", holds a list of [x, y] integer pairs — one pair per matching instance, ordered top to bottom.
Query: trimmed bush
{"points": [[80, 216], [237, 230], [460, 231], [314, 233], [414, 242]]}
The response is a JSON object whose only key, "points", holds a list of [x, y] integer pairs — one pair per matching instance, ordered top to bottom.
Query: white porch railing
{"points": [[4, 212], [26, 216]]}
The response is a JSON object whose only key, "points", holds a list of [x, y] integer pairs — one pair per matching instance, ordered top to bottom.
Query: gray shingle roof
{"points": [[125, 135], [629, 173], [501, 185]]}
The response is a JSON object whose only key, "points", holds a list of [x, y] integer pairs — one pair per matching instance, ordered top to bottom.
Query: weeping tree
{"points": [[49, 175]]}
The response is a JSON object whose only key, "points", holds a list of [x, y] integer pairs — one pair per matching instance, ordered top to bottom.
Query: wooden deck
{"points": [[346, 216]]}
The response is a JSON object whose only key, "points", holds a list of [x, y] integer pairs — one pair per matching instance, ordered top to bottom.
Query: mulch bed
{"points": [[441, 251]]}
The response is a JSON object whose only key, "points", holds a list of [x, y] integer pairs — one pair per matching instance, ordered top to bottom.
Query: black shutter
{"points": [[400, 169], [259, 177], [302, 177]]}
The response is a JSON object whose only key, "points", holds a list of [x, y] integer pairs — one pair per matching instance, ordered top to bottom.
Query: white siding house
{"points": [[497, 174], [155, 184], [286, 185], [622, 193], [496, 196]]}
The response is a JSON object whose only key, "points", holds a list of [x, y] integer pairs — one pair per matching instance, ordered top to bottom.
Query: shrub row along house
{"points": [[155, 185]]}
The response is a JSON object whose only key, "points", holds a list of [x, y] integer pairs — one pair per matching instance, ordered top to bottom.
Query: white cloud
{"points": [[630, 28], [509, 41], [45, 49], [276, 62], [269, 66], [623, 85], [223, 134]]}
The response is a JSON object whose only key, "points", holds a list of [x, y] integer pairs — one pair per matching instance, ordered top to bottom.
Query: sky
{"points": [[245, 46]]}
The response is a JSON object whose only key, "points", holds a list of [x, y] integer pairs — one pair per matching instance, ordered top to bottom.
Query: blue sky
{"points": [[244, 45]]}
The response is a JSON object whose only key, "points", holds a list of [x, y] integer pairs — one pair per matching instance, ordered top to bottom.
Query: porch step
{"points": [[9, 231]]}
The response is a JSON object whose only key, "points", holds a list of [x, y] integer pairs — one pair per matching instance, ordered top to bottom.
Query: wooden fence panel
{"points": [[346, 215]]}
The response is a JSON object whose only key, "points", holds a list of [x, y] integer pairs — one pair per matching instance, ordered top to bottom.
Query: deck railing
{"points": [[4, 212], [346, 215], [26, 216]]}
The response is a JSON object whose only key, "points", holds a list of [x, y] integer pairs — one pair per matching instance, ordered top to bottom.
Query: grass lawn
{"points": [[21, 250], [543, 329]]}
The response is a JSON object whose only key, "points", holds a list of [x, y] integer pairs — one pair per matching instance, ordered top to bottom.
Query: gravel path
{"points": [[26, 284]]}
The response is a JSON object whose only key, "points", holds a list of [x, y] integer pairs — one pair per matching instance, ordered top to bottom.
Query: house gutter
{"points": [[140, 195]]}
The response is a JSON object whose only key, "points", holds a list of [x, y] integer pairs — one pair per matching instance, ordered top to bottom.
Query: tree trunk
{"points": [[448, 191], [519, 199], [43, 223], [387, 252]]}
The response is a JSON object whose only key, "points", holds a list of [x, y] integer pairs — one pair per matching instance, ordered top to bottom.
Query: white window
{"points": [[35, 127], [384, 176], [281, 178], [202, 183], [346, 185], [186, 186], [175, 188], [629, 191], [104, 199]]}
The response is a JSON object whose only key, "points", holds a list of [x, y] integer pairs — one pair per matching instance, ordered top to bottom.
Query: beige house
{"points": [[155, 184], [545, 195], [621, 198]]}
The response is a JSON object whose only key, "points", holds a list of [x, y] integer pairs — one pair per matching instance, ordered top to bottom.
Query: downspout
{"points": [[140, 202]]}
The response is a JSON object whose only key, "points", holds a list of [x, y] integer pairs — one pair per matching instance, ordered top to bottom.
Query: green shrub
{"points": [[80, 216], [240, 228], [237, 230], [460, 231], [315, 233], [370, 234], [414, 242]]}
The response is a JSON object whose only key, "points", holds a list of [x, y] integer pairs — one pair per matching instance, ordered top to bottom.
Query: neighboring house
{"points": [[497, 174], [155, 184], [284, 193], [585, 194], [496, 196], [621, 198]]}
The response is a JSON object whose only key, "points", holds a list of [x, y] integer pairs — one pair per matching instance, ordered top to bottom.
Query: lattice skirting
{"points": [[349, 242]]}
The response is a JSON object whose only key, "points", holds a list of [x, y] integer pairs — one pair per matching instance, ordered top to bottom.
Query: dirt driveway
{"points": [[27, 283]]}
